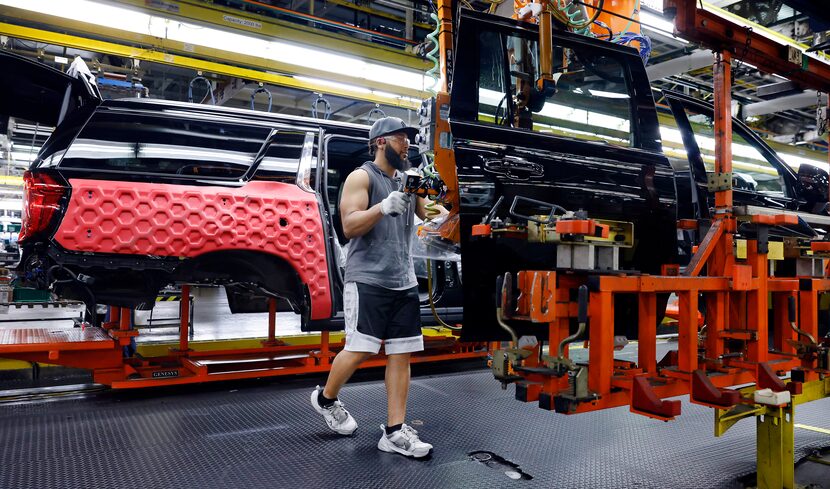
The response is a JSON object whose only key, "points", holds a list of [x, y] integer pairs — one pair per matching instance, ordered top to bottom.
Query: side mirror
{"points": [[814, 183]]}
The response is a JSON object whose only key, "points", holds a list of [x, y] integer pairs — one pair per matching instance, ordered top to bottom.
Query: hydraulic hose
{"points": [[569, 14], [432, 55], [209, 87], [431, 173], [503, 283], [432, 300], [91, 306], [791, 317], [582, 319]]}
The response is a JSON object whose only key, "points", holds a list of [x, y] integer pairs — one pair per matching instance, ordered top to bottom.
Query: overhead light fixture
{"points": [[658, 24], [152, 25], [332, 84]]}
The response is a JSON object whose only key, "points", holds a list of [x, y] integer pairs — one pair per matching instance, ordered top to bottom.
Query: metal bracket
{"points": [[717, 182]]}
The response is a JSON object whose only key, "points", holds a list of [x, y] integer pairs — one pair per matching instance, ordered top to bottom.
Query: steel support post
{"points": [[723, 130], [758, 304], [184, 313], [716, 316], [807, 316], [124, 320], [688, 333], [601, 336], [647, 337], [325, 351], [775, 446]]}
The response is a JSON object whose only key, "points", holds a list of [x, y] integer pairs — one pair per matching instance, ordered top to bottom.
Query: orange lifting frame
{"points": [[737, 296], [100, 350]]}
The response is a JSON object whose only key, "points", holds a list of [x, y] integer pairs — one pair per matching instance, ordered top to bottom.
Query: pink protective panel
{"points": [[134, 218]]}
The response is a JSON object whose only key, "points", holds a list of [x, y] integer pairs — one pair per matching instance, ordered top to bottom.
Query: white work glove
{"points": [[531, 9], [394, 204]]}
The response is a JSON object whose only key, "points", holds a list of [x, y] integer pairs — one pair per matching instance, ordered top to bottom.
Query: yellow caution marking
{"points": [[168, 298], [9, 364], [812, 428]]}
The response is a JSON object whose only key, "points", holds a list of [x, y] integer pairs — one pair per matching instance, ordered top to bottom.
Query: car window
{"points": [[592, 100], [136, 143], [282, 159], [751, 170]]}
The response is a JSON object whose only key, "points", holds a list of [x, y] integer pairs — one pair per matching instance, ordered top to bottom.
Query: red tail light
{"points": [[41, 200]]}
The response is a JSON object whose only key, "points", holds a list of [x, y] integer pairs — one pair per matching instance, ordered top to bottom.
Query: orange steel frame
{"points": [[736, 293], [100, 350]]}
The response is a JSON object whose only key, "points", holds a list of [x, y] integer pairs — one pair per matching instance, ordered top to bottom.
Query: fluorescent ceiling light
{"points": [[652, 4], [656, 22], [659, 25], [164, 28], [333, 84]]}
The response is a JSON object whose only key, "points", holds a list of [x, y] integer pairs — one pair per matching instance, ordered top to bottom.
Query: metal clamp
{"points": [[717, 182], [553, 208]]}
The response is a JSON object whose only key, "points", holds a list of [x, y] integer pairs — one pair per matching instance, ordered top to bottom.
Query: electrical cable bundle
{"points": [[645, 43]]}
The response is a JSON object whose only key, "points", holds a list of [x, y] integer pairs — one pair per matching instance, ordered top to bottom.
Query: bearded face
{"points": [[398, 160]]}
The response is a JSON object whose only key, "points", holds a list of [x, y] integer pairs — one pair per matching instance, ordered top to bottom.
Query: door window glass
{"points": [[592, 99], [135, 143], [282, 159], [751, 170]]}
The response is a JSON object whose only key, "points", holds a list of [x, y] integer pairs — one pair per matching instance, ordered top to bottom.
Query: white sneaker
{"points": [[336, 416], [404, 441]]}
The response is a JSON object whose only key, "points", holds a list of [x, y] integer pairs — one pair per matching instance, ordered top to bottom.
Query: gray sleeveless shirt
{"points": [[381, 256]]}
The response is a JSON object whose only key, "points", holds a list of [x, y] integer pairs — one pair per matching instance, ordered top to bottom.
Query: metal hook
{"points": [[209, 86], [262, 90], [327, 106], [376, 110]]}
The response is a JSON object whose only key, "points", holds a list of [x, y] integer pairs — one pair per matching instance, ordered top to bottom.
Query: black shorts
{"points": [[376, 316]]}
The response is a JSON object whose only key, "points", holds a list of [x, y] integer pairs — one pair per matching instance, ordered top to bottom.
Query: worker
{"points": [[380, 297]]}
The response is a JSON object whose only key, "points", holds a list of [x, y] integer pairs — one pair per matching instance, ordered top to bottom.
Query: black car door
{"points": [[38, 93], [591, 144], [760, 177]]}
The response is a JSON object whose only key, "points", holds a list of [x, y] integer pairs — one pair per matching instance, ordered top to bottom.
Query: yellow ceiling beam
{"points": [[273, 29], [191, 50], [155, 56]]}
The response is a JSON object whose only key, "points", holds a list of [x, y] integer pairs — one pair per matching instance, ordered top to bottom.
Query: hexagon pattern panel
{"points": [[186, 221]]}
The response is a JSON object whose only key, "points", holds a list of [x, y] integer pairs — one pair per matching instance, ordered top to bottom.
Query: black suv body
{"points": [[128, 196]]}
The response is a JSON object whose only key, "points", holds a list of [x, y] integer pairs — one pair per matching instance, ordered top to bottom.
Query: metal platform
{"points": [[41, 340], [254, 434]]}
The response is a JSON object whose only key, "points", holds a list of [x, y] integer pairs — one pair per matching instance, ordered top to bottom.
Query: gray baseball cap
{"points": [[391, 125]]}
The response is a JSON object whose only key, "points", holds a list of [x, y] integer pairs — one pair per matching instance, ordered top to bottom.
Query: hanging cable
{"points": [[635, 12], [606, 27], [645, 43], [209, 87], [262, 89], [326, 107], [375, 111], [432, 300]]}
